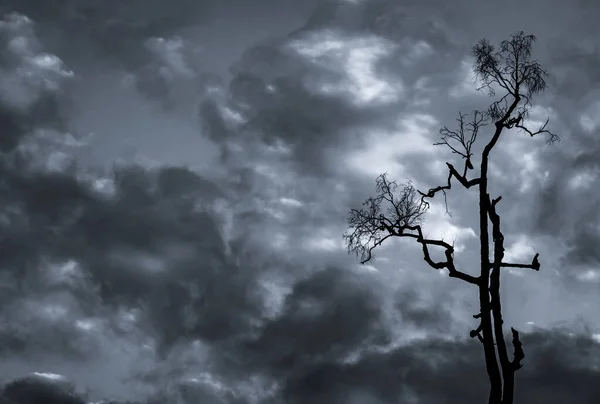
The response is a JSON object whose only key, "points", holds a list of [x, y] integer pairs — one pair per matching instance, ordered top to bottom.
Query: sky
{"points": [[176, 179]]}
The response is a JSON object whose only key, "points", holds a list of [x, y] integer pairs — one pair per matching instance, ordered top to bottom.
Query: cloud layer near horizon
{"points": [[171, 231]]}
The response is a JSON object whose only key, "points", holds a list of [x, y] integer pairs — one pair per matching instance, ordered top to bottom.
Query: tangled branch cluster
{"points": [[371, 225]]}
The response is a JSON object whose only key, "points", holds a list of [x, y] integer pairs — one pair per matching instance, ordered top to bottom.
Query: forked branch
{"points": [[461, 140], [452, 173]]}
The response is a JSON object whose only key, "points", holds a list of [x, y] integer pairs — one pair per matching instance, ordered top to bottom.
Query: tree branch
{"points": [[465, 136], [551, 139], [452, 172], [370, 226], [449, 263], [535, 264]]}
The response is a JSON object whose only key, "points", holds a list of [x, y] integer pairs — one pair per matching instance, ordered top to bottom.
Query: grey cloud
{"points": [[388, 19], [114, 31], [173, 73], [278, 88], [31, 95], [304, 121], [147, 240], [152, 248], [172, 260], [332, 313], [422, 313], [34, 327], [558, 366], [435, 370], [39, 389]]}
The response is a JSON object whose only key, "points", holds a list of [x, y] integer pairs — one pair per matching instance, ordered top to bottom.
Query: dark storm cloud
{"points": [[388, 19], [114, 30], [92, 32], [172, 72], [30, 83], [320, 89], [287, 111], [152, 223], [149, 243], [145, 256], [167, 259], [415, 309], [333, 312], [34, 326], [558, 367], [434, 371], [40, 388]]}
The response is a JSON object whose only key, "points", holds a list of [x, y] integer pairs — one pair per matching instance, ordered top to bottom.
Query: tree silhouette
{"points": [[510, 70]]}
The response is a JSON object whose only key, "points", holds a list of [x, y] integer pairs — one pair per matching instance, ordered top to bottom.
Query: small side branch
{"points": [[535, 264], [477, 333], [518, 355]]}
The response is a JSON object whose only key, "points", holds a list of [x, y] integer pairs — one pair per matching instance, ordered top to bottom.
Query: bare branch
{"points": [[542, 130], [464, 136], [535, 264], [475, 332]]}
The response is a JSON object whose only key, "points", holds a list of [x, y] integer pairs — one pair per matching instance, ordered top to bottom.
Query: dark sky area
{"points": [[176, 176]]}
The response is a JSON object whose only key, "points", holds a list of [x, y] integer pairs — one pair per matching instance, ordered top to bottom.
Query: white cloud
{"points": [[169, 52], [356, 58], [32, 71], [466, 86], [590, 118], [383, 149], [582, 179], [291, 202], [440, 227], [323, 242], [520, 250], [589, 275], [50, 376]]}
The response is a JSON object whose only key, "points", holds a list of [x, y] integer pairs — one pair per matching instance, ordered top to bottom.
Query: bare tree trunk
{"points": [[491, 363], [502, 392]]}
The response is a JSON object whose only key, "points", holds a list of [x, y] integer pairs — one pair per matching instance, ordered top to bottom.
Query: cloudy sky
{"points": [[175, 181]]}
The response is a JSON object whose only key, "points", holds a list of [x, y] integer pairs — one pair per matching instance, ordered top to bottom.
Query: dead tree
{"points": [[510, 70]]}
